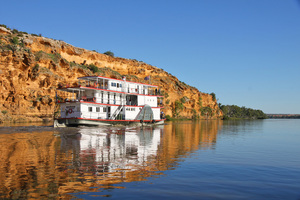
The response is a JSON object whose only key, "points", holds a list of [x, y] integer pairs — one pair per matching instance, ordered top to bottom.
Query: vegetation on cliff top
{"points": [[109, 53]]}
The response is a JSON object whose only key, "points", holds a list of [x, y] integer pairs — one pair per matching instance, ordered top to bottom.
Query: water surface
{"points": [[256, 159]]}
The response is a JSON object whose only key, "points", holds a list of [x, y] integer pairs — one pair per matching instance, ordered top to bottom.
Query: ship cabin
{"points": [[102, 98]]}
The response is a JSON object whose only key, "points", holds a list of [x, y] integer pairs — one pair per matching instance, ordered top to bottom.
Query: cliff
{"points": [[32, 66]]}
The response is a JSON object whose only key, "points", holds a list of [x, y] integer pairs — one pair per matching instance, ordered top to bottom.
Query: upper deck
{"points": [[112, 85]]}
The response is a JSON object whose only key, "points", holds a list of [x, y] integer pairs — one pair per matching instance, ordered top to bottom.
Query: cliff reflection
{"points": [[52, 164], [27, 165]]}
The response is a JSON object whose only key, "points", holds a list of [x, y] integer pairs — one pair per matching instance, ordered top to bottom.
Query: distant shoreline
{"points": [[283, 116]]}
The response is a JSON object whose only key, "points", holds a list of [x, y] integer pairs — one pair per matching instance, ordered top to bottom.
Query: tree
{"points": [[15, 40], [109, 53], [213, 96], [177, 108], [206, 111], [234, 111], [195, 115]]}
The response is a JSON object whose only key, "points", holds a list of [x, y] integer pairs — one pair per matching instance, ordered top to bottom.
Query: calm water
{"points": [[184, 160]]}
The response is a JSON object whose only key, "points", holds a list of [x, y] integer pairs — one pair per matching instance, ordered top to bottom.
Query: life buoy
{"points": [[94, 99], [70, 111]]}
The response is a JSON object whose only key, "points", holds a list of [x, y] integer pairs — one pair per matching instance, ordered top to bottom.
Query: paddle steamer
{"points": [[98, 100]]}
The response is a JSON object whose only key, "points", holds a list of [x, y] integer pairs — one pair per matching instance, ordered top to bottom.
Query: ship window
{"points": [[117, 84], [120, 85], [90, 109], [97, 109], [104, 109], [132, 109]]}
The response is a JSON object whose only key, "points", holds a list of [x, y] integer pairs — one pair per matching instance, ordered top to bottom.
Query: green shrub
{"points": [[4, 26], [14, 31], [15, 40], [109, 53], [39, 55], [55, 57], [73, 64], [83, 66], [93, 68], [35, 71], [117, 75], [166, 95], [213, 96], [184, 99], [200, 101], [179, 105], [177, 108], [206, 111], [4, 112], [195, 115], [225, 117], [168, 118]]}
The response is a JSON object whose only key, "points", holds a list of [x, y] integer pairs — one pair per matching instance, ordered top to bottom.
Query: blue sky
{"points": [[245, 51]]}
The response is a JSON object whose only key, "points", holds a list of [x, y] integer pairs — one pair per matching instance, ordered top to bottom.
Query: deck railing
{"points": [[151, 92], [103, 101]]}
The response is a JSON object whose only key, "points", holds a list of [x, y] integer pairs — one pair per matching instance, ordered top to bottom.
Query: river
{"points": [[255, 159]]}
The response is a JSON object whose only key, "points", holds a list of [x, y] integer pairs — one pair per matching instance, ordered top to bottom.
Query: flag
{"points": [[147, 78]]}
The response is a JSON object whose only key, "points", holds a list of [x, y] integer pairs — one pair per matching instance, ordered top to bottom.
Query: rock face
{"points": [[31, 67]]}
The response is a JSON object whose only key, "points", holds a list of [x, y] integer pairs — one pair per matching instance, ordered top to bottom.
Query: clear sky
{"points": [[245, 51]]}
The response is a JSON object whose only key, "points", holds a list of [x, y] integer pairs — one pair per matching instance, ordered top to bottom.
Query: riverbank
{"points": [[6, 117]]}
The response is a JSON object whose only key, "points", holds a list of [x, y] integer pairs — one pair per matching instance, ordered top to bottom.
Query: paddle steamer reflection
{"points": [[99, 151]]}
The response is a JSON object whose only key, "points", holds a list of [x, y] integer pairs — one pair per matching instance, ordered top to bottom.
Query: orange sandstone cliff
{"points": [[31, 67]]}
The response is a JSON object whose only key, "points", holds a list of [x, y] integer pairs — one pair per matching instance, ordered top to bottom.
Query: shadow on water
{"points": [[26, 124], [43, 162]]}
